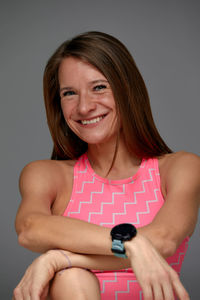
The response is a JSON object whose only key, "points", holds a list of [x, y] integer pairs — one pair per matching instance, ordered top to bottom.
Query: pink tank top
{"points": [[134, 200]]}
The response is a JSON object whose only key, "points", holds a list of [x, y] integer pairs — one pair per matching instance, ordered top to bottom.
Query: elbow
{"points": [[24, 233], [27, 236], [24, 239], [163, 240], [166, 242], [168, 248]]}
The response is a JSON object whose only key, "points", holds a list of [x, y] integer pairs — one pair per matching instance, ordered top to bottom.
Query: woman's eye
{"points": [[100, 87], [68, 93]]}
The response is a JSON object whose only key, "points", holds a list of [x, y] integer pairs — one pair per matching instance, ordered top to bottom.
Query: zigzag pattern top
{"points": [[134, 200]]}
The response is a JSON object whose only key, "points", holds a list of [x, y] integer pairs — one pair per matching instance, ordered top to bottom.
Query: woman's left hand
{"points": [[157, 278], [35, 283]]}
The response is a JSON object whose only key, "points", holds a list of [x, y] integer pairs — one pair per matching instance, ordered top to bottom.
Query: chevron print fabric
{"points": [[104, 202], [115, 287]]}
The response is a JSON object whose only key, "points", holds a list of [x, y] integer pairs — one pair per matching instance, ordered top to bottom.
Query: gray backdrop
{"points": [[163, 37]]}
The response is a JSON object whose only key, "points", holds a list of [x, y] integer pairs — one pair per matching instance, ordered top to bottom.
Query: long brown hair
{"points": [[114, 61]]}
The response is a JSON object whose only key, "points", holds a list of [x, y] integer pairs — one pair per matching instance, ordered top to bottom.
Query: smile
{"points": [[92, 121]]}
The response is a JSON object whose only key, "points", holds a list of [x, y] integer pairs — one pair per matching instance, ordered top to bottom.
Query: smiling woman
{"points": [[115, 65], [87, 101], [109, 167]]}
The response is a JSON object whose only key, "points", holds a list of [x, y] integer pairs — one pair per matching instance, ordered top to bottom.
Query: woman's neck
{"points": [[101, 158]]}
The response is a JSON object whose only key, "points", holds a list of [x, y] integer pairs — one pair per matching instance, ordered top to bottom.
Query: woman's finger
{"points": [[179, 288], [168, 291], [25, 292], [35, 292], [147, 292], [157, 292], [45, 293], [17, 294], [27, 296]]}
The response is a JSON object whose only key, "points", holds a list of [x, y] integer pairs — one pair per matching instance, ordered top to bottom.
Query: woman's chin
{"points": [[96, 140]]}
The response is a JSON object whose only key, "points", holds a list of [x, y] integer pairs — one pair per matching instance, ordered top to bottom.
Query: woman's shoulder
{"points": [[181, 160], [48, 165], [180, 168], [47, 171]]}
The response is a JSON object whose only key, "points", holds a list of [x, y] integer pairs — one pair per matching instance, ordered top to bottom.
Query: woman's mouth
{"points": [[92, 121]]}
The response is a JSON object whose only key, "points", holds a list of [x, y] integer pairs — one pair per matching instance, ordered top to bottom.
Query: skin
{"points": [[46, 188]]}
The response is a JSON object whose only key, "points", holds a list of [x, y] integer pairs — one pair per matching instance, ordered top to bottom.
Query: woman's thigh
{"points": [[75, 283]]}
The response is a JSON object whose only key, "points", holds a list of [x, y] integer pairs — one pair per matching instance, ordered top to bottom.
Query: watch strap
{"points": [[118, 248]]}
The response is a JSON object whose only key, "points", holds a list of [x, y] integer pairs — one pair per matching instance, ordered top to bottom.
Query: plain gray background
{"points": [[163, 37]]}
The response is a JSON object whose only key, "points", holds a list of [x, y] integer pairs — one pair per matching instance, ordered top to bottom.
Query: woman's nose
{"points": [[85, 104]]}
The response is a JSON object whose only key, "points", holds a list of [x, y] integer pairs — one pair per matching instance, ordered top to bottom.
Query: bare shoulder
{"points": [[180, 162], [180, 169], [47, 175]]}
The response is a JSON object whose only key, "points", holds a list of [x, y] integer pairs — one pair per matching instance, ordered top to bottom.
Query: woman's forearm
{"points": [[41, 233], [87, 261], [100, 262]]}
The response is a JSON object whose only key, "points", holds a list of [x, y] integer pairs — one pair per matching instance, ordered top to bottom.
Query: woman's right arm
{"points": [[41, 184]]}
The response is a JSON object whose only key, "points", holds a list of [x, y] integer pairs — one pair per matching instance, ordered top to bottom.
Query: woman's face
{"points": [[87, 101]]}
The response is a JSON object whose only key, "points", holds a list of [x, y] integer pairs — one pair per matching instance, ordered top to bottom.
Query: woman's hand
{"points": [[157, 279], [35, 282]]}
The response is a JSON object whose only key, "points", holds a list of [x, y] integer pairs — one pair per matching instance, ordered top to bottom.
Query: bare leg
{"points": [[75, 284]]}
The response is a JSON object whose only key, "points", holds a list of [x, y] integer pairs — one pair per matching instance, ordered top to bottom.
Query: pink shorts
{"points": [[119, 286]]}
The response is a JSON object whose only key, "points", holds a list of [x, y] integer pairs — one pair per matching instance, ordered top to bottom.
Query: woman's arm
{"points": [[180, 176], [42, 184], [175, 220], [40, 231], [157, 279]]}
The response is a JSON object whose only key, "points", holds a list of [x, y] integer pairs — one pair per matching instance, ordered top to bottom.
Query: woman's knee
{"points": [[75, 283]]}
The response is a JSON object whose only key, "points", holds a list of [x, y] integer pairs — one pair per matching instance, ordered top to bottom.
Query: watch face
{"points": [[123, 232]]}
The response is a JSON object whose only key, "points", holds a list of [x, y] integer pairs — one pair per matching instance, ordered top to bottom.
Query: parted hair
{"points": [[113, 60]]}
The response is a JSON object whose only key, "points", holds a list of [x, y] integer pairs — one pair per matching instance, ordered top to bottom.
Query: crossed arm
{"points": [[41, 231]]}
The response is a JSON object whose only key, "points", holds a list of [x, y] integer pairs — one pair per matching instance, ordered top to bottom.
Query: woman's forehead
{"points": [[71, 69]]}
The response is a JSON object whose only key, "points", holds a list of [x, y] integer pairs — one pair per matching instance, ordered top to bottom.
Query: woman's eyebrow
{"points": [[99, 81], [65, 88]]}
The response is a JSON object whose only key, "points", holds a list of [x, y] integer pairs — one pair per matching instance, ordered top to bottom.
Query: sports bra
{"points": [[134, 200]]}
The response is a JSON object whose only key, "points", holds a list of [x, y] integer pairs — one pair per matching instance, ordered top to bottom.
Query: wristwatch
{"points": [[119, 234]]}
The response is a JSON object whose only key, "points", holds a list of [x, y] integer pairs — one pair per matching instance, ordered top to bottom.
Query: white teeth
{"points": [[84, 122]]}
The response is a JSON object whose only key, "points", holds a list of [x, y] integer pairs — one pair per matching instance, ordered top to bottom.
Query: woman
{"points": [[109, 167]]}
